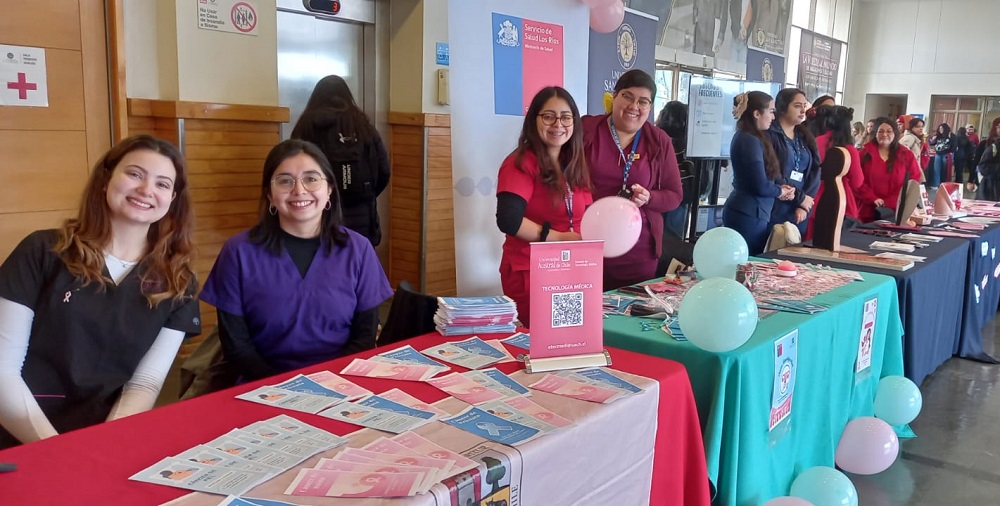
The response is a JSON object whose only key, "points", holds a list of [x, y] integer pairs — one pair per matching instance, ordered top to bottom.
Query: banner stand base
{"points": [[537, 365]]}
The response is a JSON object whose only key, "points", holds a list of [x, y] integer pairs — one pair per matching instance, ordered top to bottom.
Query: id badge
{"points": [[797, 176]]}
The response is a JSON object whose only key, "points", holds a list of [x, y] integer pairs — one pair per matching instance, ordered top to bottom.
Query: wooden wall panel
{"points": [[43, 23], [29, 175]]}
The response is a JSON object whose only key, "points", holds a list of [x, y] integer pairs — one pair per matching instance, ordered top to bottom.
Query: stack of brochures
{"points": [[475, 315]]}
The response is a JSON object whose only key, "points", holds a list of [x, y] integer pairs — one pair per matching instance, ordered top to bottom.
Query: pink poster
{"points": [[543, 57], [566, 299]]}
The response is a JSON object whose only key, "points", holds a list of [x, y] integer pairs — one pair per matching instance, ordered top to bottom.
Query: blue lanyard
{"points": [[797, 148], [631, 157], [568, 198]]}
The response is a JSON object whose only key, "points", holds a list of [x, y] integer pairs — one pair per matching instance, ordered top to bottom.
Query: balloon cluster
{"points": [[605, 15], [868, 446]]}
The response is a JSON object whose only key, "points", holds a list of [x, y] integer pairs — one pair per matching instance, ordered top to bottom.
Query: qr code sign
{"points": [[567, 309]]}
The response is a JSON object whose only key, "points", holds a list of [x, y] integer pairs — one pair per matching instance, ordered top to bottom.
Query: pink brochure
{"points": [[566, 299], [404, 372], [338, 384], [464, 389], [576, 390], [397, 395], [524, 405], [415, 441], [385, 445], [351, 455], [430, 474], [319, 482]]}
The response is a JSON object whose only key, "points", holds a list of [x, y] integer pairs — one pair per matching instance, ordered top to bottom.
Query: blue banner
{"points": [[631, 46], [508, 65], [765, 67]]}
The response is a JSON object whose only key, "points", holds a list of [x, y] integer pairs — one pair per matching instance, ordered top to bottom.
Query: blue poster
{"points": [[632, 46], [765, 67]]}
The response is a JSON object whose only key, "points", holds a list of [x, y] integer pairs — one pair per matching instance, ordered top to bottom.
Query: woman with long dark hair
{"points": [[333, 122], [834, 125], [943, 143], [795, 147], [964, 150], [988, 165], [887, 166], [756, 171], [543, 188], [298, 288], [92, 313]]}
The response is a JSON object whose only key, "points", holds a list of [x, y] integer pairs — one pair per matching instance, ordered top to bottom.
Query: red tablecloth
{"points": [[92, 465]]}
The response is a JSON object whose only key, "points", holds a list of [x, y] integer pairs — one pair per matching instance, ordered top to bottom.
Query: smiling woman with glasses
{"points": [[632, 158], [543, 188], [298, 288]]}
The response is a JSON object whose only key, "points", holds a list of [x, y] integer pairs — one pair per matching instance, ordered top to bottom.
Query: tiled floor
{"points": [[955, 458]]}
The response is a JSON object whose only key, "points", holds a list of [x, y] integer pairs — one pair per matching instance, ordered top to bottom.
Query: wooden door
{"points": [[46, 153]]}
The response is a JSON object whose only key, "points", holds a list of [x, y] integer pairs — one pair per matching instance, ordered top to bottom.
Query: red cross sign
{"points": [[22, 86]]}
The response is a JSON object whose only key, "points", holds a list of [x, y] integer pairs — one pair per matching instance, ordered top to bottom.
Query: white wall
{"points": [[435, 30], [921, 48]]}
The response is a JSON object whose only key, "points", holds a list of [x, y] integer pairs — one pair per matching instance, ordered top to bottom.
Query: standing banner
{"points": [[632, 46], [819, 64], [483, 134], [566, 280]]}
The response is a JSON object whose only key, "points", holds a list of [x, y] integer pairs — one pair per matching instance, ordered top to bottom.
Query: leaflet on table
{"points": [[902, 256], [566, 280], [459, 305], [464, 330], [867, 337], [520, 339], [476, 345], [497, 345], [407, 355], [460, 357], [785, 365], [403, 372], [604, 378], [497, 381], [334, 382], [306, 385], [465, 389], [577, 390], [397, 395], [287, 399], [379, 402], [525, 405], [503, 410], [373, 418], [289, 424], [487, 426], [304, 435], [233, 445], [424, 446], [299, 450], [209, 456], [369, 456], [438, 470], [182, 473], [429, 476], [318, 482], [252, 501]]}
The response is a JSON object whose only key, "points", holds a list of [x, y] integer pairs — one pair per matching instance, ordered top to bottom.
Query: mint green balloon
{"points": [[718, 252], [718, 315], [897, 400], [825, 486]]}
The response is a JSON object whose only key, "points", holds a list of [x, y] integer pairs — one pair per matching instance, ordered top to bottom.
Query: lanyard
{"points": [[796, 147], [631, 157], [568, 198]]}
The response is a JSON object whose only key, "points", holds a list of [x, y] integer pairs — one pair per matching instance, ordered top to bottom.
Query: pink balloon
{"points": [[598, 3], [608, 18], [614, 220], [867, 446], [788, 501]]}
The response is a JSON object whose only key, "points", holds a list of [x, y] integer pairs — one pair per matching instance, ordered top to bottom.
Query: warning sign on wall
{"points": [[234, 16], [22, 76]]}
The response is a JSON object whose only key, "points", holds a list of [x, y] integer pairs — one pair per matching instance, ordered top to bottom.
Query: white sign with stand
{"points": [[23, 80]]}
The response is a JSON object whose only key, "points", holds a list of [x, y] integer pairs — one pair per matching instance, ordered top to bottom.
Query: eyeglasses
{"points": [[642, 102], [549, 118], [286, 183]]}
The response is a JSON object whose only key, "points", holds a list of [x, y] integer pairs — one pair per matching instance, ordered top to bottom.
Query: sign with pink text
{"points": [[565, 285]]}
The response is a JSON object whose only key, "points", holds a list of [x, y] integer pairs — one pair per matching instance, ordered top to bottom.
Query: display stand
{"points": [[532, 366]]}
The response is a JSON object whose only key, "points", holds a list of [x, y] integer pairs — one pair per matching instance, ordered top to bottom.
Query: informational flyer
{"points": [[567, 279], [867, 335], [520, 339], [407, 355], [462, 357], [785, 365], [402, 372], [599, 376], [336, 383], [566, 387], [465, 389], [397, 395], [287, 399], [525, 405], [503, 410], [374, 418], [492, 427], [422, 445], [190, 475], [320, 482]]}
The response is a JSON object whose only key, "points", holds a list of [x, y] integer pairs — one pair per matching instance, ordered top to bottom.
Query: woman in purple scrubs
{"points": [[630, 157], [298, 288]]}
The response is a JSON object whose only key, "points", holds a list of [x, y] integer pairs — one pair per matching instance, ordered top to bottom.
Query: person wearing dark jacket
{"points": [[334, 122], [943, 143], [795, 148], [964, 151], [987, 162]]}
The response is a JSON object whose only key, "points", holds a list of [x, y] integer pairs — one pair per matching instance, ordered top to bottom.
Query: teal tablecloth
{"points": [[746, 465]]}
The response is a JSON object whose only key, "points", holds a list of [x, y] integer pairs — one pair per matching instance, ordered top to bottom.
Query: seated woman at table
{"points": [[834, 125], [795, 148], [629, 157], [887, 166], [756, 171], [543, 188], [298, 288], [92, 313]]}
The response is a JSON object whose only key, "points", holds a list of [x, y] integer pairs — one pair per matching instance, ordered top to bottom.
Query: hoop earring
{"points": [[328, 206], [271, 209]]}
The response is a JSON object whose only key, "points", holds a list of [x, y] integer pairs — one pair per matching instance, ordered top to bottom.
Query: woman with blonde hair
{"points": [[92, 313]]}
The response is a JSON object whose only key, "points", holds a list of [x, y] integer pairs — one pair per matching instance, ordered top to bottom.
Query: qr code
{"points": [[567, 309]]}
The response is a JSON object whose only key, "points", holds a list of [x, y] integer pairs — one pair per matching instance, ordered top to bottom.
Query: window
{"points": [[664, 87], [958, 111]]}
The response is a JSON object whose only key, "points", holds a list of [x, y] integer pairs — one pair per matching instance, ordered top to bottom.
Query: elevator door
{"points": [[310, 49]]}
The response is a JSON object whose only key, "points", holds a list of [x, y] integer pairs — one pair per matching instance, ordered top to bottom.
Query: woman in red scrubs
{"points": [[628, 156], [543, 188]]}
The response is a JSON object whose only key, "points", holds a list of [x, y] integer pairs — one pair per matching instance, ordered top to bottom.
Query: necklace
{"points": [[124, 263]]}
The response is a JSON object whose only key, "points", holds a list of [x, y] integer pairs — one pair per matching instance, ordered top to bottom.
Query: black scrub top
{"points": [[86, 341]]}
